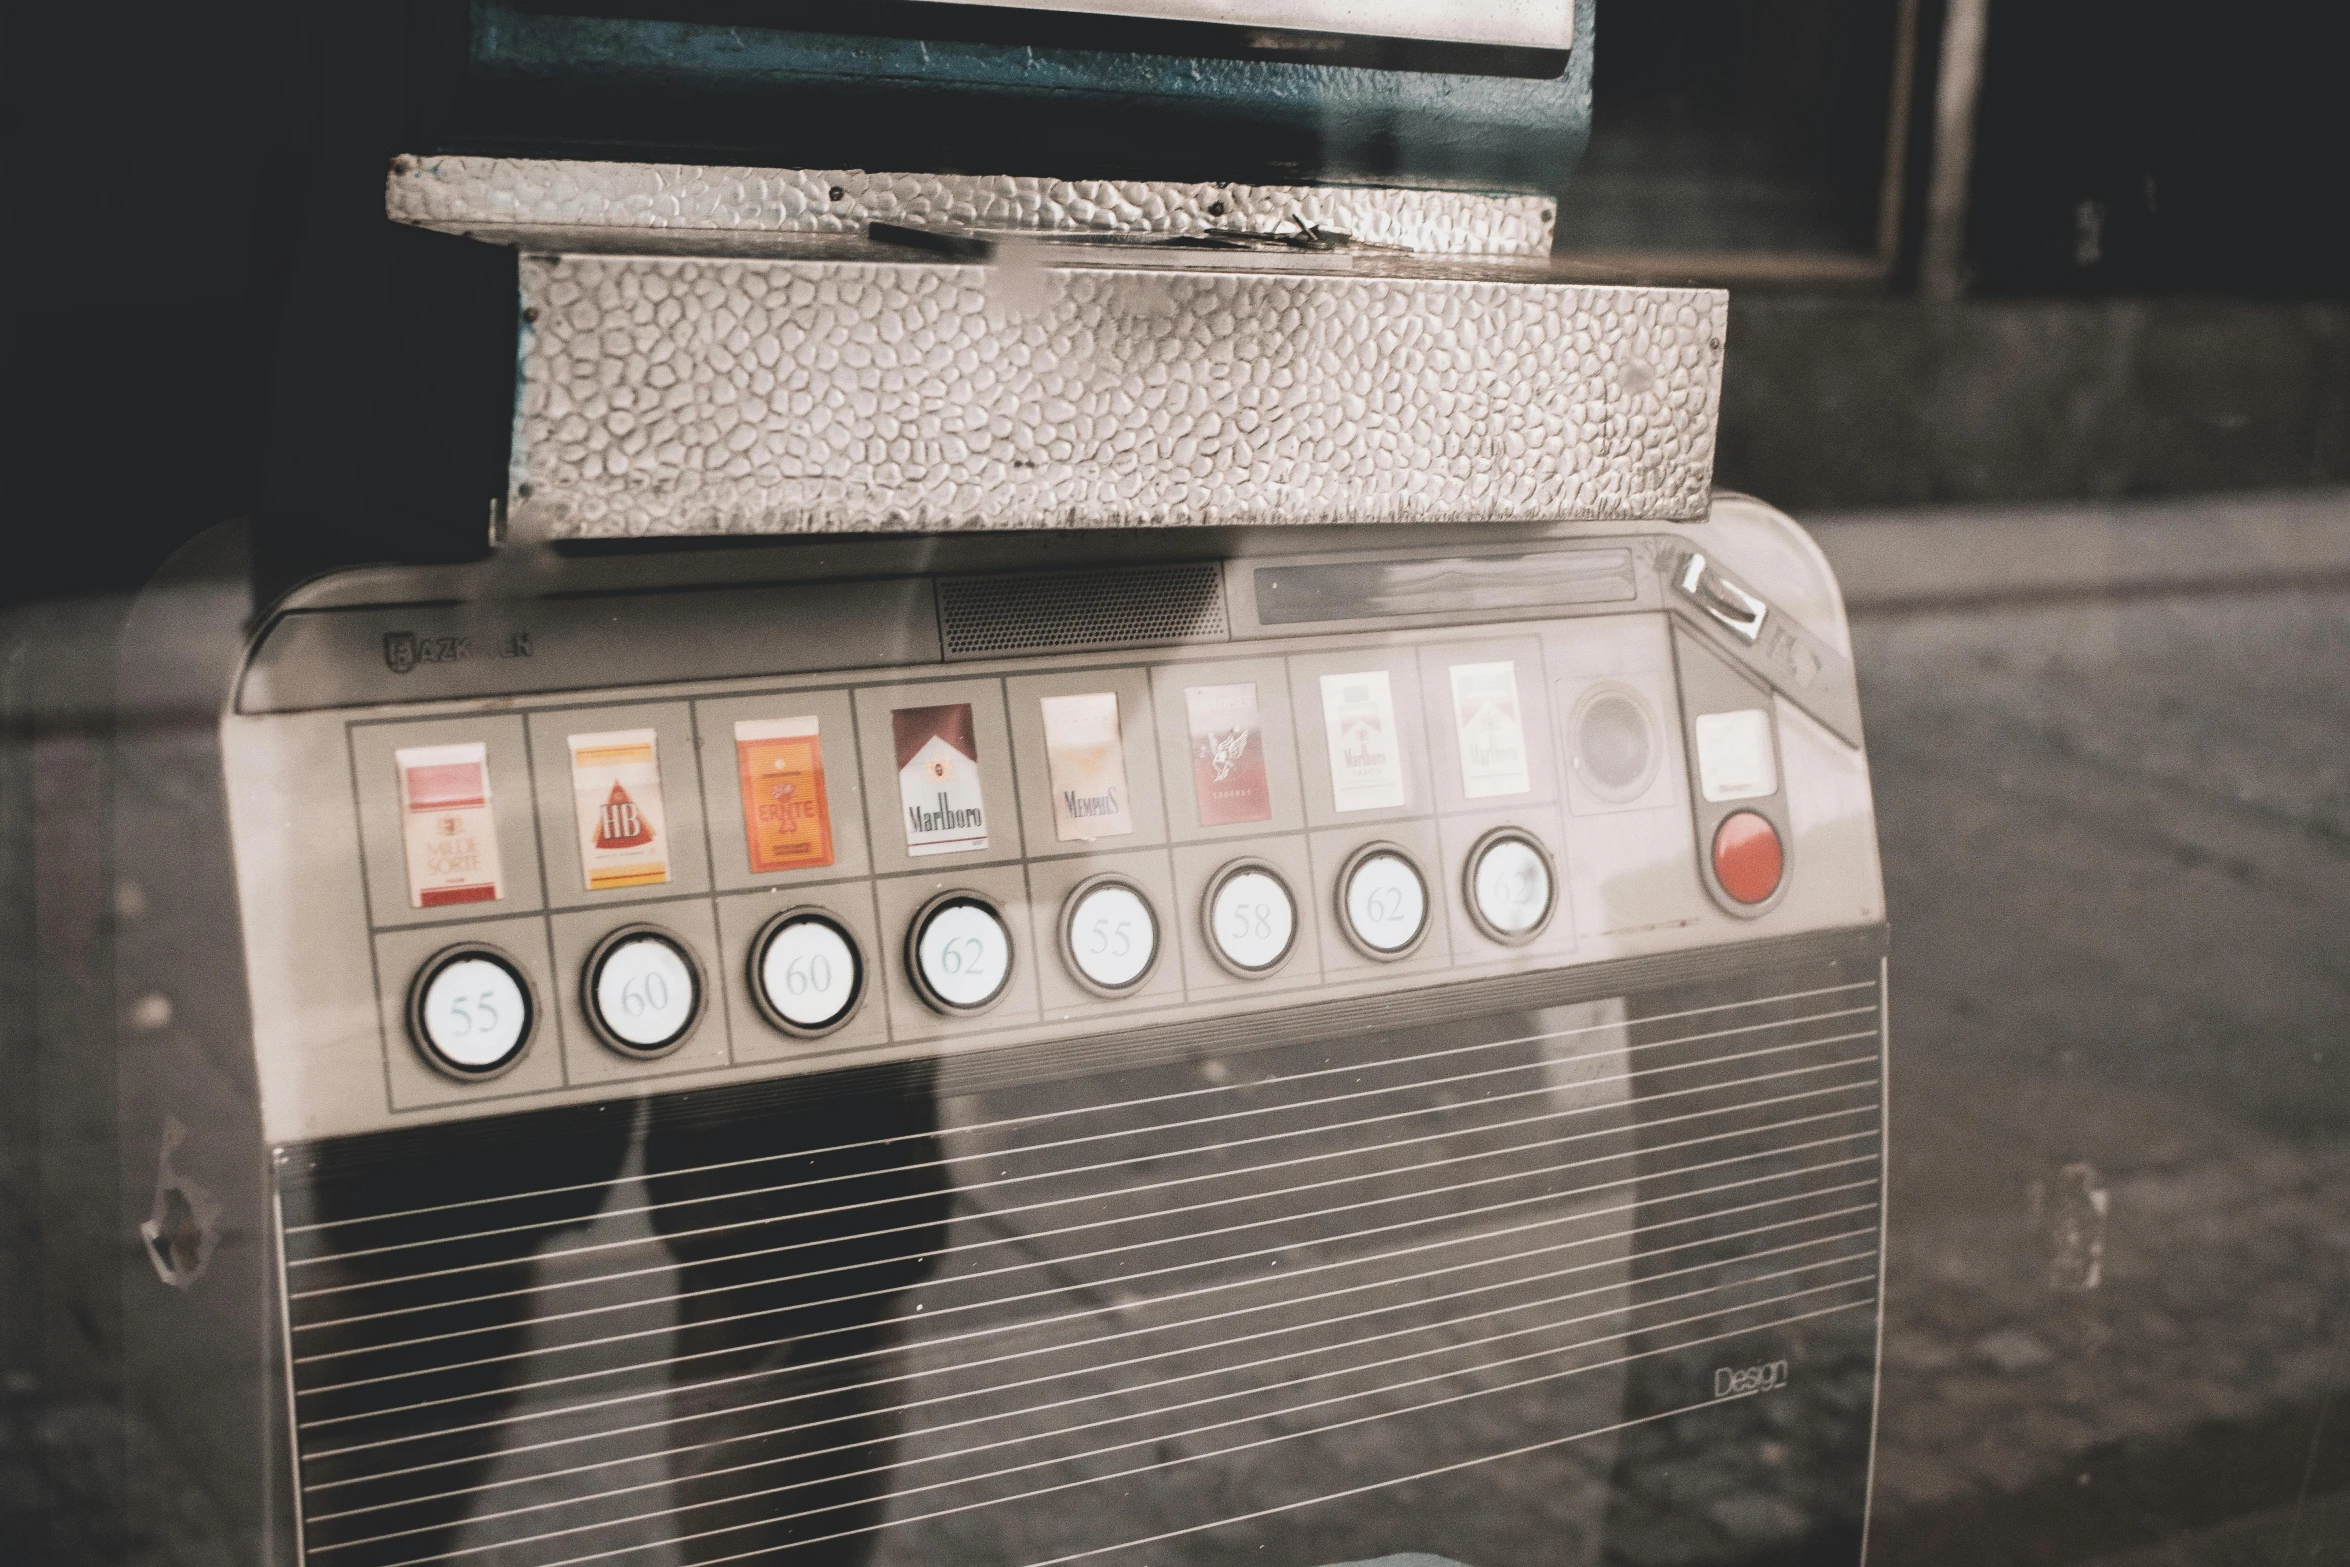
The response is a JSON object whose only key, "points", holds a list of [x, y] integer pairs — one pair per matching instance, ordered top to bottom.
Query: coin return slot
{"points": [[1615, 745], [1512, 886], [1383, 902], [1109, 936], [959, 954], [807, 975], [643, 992], [470, 1012]]}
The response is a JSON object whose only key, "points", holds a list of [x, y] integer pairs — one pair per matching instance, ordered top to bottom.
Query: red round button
{"points": [[1747, 857]]}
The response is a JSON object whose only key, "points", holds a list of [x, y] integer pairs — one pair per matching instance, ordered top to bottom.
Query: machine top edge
{"points": [[591, 205]]}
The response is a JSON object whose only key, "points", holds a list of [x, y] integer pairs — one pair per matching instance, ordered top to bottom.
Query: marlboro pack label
{"points": [[1492, 730], [1227, 755], [1088, 758], [1366, 761], [938, 779], [786, 822], [445, 825], [623, 831]]}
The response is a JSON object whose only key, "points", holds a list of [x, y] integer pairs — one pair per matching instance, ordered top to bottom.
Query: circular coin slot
{"points": [[1615, 751], [1512, 887], [1383, 902], [1251, 918], [1109, 935], [959, 954], [806, 973], [643, 992], [471, 1012]]}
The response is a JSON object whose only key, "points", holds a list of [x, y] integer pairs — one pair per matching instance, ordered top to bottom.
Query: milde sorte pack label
{"points": [[1492, 730], [1227, 755], [1088, 756], [1366, 761], [938, 779], [616, 788], [787, 823], [445, 825]]}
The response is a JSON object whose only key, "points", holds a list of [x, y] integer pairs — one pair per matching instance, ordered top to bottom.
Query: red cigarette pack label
{"points": [[1227, 755], [446, 829]]}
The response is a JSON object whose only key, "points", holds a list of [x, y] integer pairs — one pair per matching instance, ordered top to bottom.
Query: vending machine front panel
{"points": [[1059, 1048]]}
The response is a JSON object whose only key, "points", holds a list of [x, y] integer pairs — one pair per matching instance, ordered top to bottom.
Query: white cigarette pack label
{"points": [[1492, 730], [1088, 755], [1735, 757], [1366, 759], [938, 779], [616, 789], [446, 828]]}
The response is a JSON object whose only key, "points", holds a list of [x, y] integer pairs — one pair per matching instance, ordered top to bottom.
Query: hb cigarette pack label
{"points": [[1492, 730], [1227, 755], [1088, 756], [1366, 761], [938, 779], [786, 820], [445, 825], [623, 831]]}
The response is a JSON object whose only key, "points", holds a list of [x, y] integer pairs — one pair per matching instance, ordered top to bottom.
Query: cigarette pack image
{"points": [[1492, 730], [1227, 755], [1088, 756], [1366, 763], [938, 779], [616, 787], [787, 823], [445, 825]]}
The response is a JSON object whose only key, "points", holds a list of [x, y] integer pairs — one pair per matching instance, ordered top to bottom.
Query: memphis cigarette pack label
{"points": [[1492, 730], [1087, 751], [1227, 755], [1366, 758], [938, 779], [616, 788], [787, 823], [450, 837]]}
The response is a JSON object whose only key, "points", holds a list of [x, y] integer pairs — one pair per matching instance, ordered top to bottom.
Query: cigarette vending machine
{"points": [[1124, 871]]}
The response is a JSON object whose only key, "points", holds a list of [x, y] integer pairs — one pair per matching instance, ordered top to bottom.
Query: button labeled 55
{"points": [[1109, 935]]}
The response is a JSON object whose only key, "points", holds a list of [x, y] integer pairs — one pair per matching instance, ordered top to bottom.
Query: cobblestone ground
{"points": [[2115, 837], [2118, 1296]]}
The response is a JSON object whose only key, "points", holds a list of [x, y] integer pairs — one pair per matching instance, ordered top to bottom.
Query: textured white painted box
{"points": [[673, 395]]}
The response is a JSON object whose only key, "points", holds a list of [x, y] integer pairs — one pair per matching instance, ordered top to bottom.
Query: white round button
{"points": [[1510, 886], [1385, 902], [1252, 919], [1110, 936], [962, 953], [807, 974], [643, 993], [471, 1012]]}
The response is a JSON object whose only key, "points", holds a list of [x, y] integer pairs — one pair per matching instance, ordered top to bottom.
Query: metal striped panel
{"points": [[1303, 1293]]}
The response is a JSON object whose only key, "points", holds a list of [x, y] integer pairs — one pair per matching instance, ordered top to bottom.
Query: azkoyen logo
{"points": [[404, 650]]}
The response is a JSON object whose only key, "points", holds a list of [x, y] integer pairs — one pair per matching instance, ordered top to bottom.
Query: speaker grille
{"points": [[1082, 609]]}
